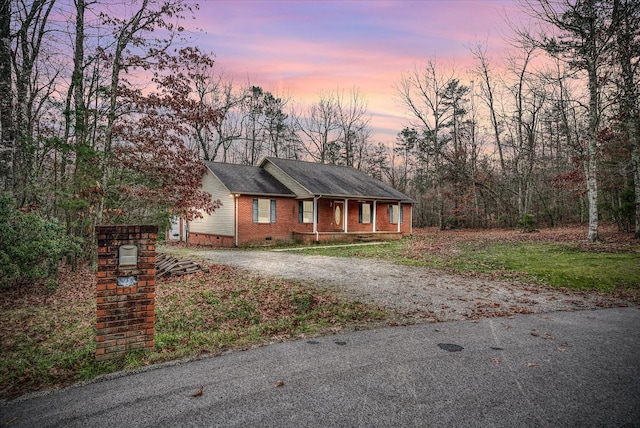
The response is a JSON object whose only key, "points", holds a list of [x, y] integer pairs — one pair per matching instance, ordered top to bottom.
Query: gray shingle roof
{"points": [[247, 179], [337, 181]]}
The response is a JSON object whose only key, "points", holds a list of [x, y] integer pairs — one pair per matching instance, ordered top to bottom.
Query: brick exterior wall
{"points": [[382, 214], [326, 217], [287, 224], [250, 233], [211, 240], [125, 314]]}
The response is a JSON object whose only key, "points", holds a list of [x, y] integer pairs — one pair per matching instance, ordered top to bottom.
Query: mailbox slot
{"points": [[128, 255]]}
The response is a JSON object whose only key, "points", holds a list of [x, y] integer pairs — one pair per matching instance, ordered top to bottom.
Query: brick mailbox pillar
{"points": [[125, 290]]}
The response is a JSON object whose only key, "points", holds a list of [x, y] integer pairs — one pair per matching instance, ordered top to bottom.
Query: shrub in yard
{"points": [[527, 223], [31, 246]]}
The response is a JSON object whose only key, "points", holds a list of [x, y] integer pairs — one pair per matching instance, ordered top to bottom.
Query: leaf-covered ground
{"points": [[445, 242], [48, 336]]}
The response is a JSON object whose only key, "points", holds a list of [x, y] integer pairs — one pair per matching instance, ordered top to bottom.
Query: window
{"points": [[264, 211], [305, 211], [364, 213], [395, 214]]}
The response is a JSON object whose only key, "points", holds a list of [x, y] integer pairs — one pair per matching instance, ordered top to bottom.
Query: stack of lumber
{"points": [[174, 266]]}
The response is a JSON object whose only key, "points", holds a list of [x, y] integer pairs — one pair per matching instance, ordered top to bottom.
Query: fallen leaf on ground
{"points": [[496, 360], [532, 364], [278, 383], [199, 392]]}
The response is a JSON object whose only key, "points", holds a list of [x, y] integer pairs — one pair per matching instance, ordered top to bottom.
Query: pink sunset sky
{"points": [[306, 48]]}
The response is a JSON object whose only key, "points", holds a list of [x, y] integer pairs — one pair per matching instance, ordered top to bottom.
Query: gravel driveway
{"points": [[413, 292]]}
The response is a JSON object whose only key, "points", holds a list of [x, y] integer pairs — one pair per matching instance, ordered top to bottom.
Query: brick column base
{"points": [[126, 289]]}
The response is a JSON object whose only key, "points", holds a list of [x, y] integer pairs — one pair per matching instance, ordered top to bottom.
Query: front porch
{"points": [[324, 237]]}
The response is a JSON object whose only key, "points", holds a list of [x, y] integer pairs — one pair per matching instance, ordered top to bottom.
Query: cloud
{"points": [[306, 48]]}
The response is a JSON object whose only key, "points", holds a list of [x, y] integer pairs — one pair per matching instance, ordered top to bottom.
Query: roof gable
{"points": [[247, 179], [334, 180]]}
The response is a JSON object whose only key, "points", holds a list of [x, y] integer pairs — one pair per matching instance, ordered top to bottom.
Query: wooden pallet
{"points": [[174, 266]]}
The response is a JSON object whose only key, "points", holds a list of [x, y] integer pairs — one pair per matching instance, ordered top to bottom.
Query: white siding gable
{"points": [[221, 221]]}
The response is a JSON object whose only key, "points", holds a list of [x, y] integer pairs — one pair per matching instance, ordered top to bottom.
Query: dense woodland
{"points": [[106, 112]]}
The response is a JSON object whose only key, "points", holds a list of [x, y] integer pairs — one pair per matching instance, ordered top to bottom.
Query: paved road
{"points": [[560, 369]]}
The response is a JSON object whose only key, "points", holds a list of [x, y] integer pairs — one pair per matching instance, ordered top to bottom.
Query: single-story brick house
{"points": [[291, 200]]}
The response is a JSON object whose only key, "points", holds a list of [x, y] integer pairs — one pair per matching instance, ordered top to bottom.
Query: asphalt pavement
{"points": [[559, 369]]}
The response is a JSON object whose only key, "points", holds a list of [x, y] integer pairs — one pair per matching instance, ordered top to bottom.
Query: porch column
{"points": [[399, 208], [345, 214], [374, 216], [315, 217]]}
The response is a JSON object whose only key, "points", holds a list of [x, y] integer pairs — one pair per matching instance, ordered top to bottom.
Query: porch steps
{"points": [[366, 238]]}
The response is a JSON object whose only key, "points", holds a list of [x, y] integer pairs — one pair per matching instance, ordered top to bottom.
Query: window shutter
{"points": [[300, 209], [255, 210], [390, 210], [273, 211], [359, 213], [401, 213]]}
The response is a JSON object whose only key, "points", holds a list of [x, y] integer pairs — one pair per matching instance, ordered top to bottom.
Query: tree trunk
{"points": [[6, 97], [591, 166]]}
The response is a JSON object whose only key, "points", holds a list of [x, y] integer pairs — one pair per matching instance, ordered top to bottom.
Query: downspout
{"points": [[236, 196], [411, 219]]}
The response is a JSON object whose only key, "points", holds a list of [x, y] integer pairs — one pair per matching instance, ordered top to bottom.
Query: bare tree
{"points": [[582, 34], [627, 40], [33, 84], [422, 92], [488, 96], [528, 97], [351, 117], [229, 127], [320, 129]]}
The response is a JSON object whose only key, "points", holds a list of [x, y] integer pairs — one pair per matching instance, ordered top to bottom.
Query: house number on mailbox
{"points": [[128, 255]]}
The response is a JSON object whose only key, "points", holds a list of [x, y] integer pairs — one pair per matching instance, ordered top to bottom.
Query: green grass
{"points": [[387, 251], [557, 265], [560, 265]]}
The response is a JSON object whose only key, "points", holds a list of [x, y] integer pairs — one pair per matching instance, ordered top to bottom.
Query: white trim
{"points": [[236, 197], [315, 218], [373, 220], [345, 221]]}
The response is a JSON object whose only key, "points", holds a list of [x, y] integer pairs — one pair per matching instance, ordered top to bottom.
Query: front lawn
{"points": [[555, 257], [48, 335]]}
